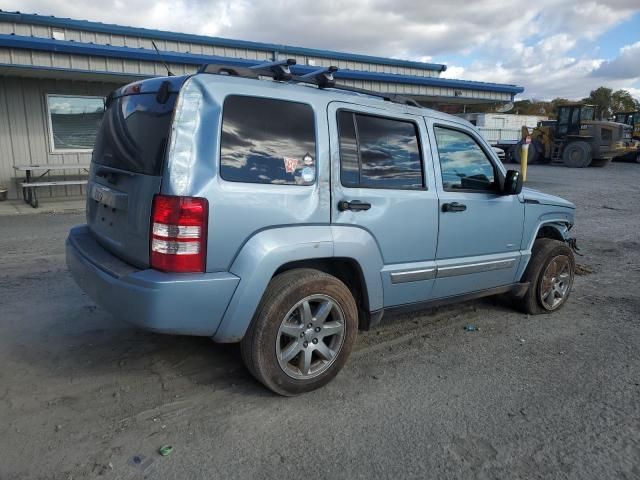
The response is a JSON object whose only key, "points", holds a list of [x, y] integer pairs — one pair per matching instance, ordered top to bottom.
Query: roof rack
{"points": [[280, 70]]}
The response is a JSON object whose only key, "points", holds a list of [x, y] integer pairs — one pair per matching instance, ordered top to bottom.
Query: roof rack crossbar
{"points": [[279, 68], [323, 77]]}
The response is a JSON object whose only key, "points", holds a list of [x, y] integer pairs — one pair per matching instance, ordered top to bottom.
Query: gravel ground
{"points": [[85, 396]]}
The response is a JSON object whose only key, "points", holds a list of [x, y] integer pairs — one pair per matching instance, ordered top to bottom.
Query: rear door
{"points": [[126, 168], [382, 182]]}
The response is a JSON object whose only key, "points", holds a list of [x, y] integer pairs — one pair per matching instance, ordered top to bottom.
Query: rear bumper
{"points": [[184, 304]]}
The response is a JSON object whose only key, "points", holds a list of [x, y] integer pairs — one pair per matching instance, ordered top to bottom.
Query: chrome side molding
{"points": [[475, 268], [450, 271], [413, 275]]}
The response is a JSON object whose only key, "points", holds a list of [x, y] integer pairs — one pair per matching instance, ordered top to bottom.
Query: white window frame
{"points": [[52, 145]]}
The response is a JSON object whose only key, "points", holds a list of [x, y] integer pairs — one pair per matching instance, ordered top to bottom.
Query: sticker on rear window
{"points": [[307, 160], [290, 164], [308, 174]]}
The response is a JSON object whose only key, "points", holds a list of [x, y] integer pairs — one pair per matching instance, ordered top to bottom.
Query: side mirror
{"points": [[512, 183]]}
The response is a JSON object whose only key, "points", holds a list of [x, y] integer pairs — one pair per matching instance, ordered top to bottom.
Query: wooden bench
{"points": [[29, 186]]}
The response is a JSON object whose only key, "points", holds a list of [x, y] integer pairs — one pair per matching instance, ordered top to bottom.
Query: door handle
{"points": [[353, 205], [453, 207]]}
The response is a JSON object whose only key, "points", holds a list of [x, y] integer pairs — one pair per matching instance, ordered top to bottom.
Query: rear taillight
{"points": [[179, 233]]}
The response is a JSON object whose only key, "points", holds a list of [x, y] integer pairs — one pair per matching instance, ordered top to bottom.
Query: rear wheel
{"points": [[577, 154], [550, 274], [302, 333]]}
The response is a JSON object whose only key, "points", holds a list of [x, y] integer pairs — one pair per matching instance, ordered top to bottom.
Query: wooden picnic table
{"points": [[31, 182]]}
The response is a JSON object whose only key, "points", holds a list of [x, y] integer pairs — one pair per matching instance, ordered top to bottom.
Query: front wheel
{"points": [[577, 154], [550, 275], [302, 333]]}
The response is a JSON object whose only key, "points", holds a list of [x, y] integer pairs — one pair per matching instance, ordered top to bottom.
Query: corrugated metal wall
{"points": [[197, 48], [24, 130]]}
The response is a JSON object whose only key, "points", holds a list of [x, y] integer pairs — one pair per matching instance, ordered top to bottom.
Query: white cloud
{"points": [[526, 43], [625, 66]]}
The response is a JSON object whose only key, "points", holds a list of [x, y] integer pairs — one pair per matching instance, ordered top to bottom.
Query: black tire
{"points": [[577, 154], [533, 156], [600, 162], [544, 251], [284, 292]]}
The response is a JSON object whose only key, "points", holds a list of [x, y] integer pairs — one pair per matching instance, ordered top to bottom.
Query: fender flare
{"points": [[559, 222], [268, 250]]}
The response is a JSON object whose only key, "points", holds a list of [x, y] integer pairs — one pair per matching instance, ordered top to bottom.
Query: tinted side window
{"points": [[267, 141], [379, 152], [463, 163]]}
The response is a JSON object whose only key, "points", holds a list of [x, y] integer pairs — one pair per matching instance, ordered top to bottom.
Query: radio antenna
{"points": [[169, 73]]}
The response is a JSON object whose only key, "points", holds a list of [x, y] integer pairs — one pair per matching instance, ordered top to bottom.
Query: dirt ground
{"points": [[85, 396]]}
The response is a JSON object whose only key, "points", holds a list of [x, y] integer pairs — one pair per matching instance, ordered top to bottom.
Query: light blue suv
{"points": [[285, 212]]}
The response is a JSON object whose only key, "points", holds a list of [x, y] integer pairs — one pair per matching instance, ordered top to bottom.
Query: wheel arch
{"points": [[556, 228], [349, 253]]}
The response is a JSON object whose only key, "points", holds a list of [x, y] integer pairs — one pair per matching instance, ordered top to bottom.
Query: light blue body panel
{"points": [[238, 210], [404, 223], [486, 234], [358, 244], [408, 251], [258, 260], [184, 304]]}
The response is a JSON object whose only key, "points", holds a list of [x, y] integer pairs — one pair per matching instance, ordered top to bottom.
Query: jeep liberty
{"points": [[286, 212]]}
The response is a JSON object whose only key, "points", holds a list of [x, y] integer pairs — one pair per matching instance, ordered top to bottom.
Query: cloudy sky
{"points": [[551, 47]]}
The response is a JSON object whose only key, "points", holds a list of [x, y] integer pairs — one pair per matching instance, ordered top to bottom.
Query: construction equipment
{"points": [[629, 118], [633, 120], [576, 139]]}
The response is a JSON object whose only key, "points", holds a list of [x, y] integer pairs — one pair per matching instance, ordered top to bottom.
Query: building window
{"points": [[58, 34], [74, 121], [265, 140], [377, 152]]}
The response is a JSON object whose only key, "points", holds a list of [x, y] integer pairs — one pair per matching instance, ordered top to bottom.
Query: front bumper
{"points": [[177, 303]]}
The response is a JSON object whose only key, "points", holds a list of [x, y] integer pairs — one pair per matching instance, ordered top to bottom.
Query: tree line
{"points": [[606, 100]]}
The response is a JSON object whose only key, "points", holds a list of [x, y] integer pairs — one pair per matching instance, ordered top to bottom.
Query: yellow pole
{"points": [[524, 154]]}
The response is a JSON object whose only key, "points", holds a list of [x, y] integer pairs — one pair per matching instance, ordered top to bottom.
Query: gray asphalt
{"points": [[558, 396]]}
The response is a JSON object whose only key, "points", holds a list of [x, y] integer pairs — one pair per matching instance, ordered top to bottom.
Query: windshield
{"points": [[587, 113], [134, 133]]}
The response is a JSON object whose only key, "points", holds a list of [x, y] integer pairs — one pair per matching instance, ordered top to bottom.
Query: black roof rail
{"points": [[279, 70], [389, 97]]}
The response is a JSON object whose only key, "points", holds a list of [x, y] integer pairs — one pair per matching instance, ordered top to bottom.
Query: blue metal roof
{"points": [[17, 17], [91, 49]]}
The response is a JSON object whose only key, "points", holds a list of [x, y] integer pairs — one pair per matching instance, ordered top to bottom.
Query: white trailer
{"points": [[502, 129]]}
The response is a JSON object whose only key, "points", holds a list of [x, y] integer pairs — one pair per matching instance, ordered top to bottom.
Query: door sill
{"points": [[516, 289]]}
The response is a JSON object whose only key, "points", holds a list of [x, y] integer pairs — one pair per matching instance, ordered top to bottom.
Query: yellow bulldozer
{"points": [[576, 139]]}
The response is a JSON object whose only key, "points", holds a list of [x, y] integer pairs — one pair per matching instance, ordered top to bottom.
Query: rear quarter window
{"points": [[267, 140]]}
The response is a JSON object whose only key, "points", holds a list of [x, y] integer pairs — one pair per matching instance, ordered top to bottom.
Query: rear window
{"points": [[134, 132], [265, 140]]}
